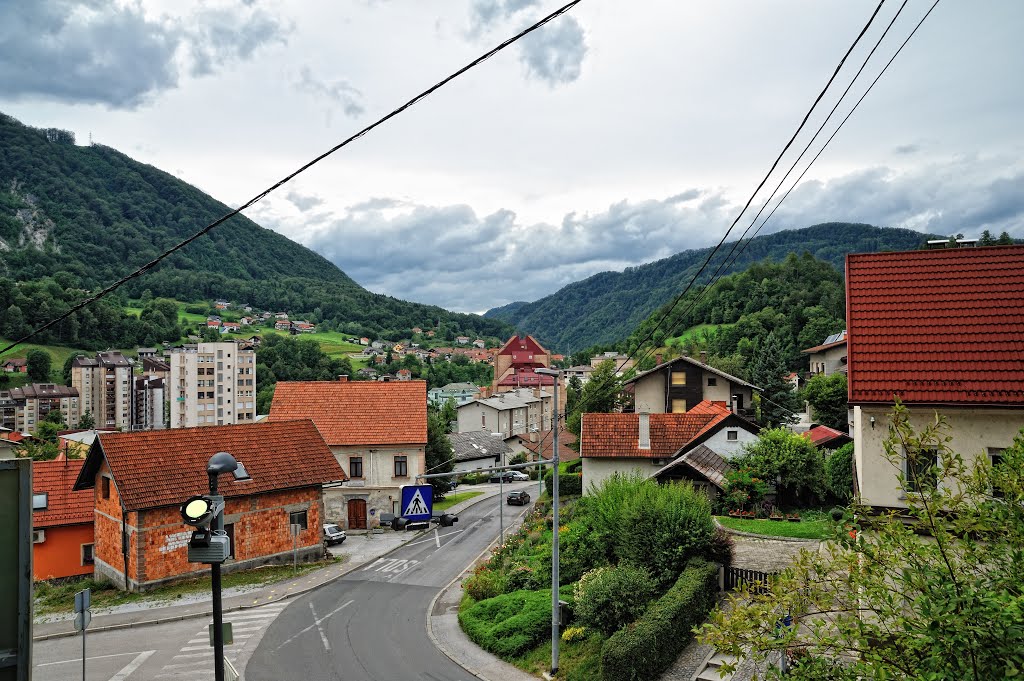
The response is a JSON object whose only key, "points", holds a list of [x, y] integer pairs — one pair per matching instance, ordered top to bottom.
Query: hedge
{"points": [[569, 484], [510, 624], [649, 646]]}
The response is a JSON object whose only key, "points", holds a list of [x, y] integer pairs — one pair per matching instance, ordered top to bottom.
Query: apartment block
{"points": [[212, 384], [104, 385], [150, 403], [21, 409]]}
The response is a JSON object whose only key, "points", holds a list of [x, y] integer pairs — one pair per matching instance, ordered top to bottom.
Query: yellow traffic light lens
{"points": [[197, 508]]}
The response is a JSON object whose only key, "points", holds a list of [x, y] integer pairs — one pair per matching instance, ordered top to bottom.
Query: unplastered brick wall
{"points": [[108, 526], [261, 529]]}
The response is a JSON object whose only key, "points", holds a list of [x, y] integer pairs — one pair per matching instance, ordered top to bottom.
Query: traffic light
{"points": [[208, 543]]}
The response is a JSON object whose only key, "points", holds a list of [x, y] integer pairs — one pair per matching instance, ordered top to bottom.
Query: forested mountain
{"points": [[89, 215], [607, 307]]}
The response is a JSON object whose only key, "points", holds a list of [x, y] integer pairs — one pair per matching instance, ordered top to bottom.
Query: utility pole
{"points": [[555, 611]]}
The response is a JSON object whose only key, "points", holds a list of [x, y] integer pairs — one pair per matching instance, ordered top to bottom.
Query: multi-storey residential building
{"points": [[516, 363], [104, 384], [212, 384], [150, 401], [21, 409], [510, 413]]}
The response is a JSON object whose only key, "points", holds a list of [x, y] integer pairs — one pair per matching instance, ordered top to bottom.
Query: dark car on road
{"points": [[518, 498]]}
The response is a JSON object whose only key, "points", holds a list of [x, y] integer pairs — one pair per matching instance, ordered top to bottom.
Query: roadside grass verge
{"points": [[452, 499], [805, 529], [59, 598]]}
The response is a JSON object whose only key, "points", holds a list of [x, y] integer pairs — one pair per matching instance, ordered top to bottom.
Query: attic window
{"points": [[712, 382], [732, 435], [105, 487], [39, 501]]}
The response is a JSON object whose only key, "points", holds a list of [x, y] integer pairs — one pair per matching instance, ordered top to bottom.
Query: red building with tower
{"points": [[516, 364]]}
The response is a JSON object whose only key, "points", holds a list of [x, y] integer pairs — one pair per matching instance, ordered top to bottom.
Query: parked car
{"points": [[508, 476], [519, 476], [517, 498], [333, 534]]}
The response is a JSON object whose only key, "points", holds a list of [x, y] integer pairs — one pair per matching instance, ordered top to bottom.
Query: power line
{"points": [[761, 184], [263, 194], [730, 258]]}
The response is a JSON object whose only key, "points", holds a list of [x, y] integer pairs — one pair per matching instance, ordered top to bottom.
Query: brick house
{"points": [[941, 330], [376, 430], [655, 445], [140, 480], [62, 521]]}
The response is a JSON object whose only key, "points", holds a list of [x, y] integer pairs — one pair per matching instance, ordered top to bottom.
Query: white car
{"points": [[517, 476], [333, 534]]}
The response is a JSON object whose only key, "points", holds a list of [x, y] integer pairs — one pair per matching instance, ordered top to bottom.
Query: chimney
{"points": [[704, 356], [343, 378], [536, 391], [733, 406], [645, 431]]}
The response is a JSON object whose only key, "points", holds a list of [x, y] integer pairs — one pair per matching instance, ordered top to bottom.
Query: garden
{"points": [[636, 570]]}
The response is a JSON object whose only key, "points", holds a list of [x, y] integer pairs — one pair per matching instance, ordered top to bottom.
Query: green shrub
{"points": [[793, 458], [574, 466], [839, 472], [569, 484], [720, 547], [578, 552], [521, 575], [484, 583], [609, 598], [510, 624], [573, 634], [649, 646]]}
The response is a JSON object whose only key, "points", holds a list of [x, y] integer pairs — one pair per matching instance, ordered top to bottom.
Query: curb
{"points": [[741, 533], [430, 628]]}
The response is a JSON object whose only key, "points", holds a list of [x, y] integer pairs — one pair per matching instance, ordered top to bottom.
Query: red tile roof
{"points": [[937, 327], [357, 413], [617, 435], [821, 435], [164, 467], [63, 506]]}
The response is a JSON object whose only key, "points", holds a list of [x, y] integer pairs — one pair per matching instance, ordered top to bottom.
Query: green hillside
{"points": [[87, 215], [607, 307]]}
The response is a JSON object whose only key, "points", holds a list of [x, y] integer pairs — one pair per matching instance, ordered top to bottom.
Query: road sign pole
{"points": [[501, 508], [83, 601], [83, 654]]}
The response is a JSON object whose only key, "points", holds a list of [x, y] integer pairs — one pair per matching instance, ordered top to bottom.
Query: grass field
{"points": [[697, 330], [58, 353], [452, 499], [805, 529]]}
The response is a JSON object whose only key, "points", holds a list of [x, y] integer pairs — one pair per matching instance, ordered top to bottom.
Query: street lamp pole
{"points": [[218, 611], [555, 618]]}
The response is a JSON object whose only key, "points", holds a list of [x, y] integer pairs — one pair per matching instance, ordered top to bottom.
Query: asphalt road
{"points": [[370, 625]]}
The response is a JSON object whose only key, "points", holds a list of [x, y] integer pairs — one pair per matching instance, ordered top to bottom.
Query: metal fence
{"points": [[733, 577]]}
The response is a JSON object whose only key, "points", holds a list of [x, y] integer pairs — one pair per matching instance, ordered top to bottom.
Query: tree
{"points": [[986, 239], [1005, 239], [38, 364], [768, 372], [66, 373], [602, 394], [828, 400], [86, 420], [438, 452], [789, 458], [839, 473], [932, 593]]}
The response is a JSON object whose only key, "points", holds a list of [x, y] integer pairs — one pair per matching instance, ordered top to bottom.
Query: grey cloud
{"points": [[484, 13], [97, 52], [554, 53], [340, 91], [905, 149], [681, 197], [302, 201]]}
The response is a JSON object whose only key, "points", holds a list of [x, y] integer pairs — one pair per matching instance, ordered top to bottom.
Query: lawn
{"points": [[697, 330], [58, 353], [452, 499], [805, 529], [60, 598]]}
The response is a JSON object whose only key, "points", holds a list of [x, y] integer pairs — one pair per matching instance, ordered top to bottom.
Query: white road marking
{"points": [[437, 538], [424, 541], [316, 623], [323, 636], [94, 657], [132, 666]]}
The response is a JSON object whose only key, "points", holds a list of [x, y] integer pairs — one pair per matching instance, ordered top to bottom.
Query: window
{"points": [[678, 378], [712, 382], [678, 406], [732, 435], [995, 455], [355, 466], [401, 466], [920, 468], [105, 485], [39, 501], [298, 518], [88, 557]]}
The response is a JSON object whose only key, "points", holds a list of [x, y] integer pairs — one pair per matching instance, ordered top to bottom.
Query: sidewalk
{"points": [[360, 548]]}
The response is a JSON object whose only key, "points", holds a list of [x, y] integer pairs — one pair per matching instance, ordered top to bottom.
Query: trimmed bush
{"points": [[839, 472], [569, 484], [484, 583], [609, 598], [510, 624], [649, 646]]}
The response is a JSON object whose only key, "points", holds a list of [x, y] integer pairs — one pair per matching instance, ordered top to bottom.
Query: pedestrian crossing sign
{"points": [[417, 502]]}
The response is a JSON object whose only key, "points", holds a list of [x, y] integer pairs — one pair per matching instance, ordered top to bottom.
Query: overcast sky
{"points": [[620, 133]]}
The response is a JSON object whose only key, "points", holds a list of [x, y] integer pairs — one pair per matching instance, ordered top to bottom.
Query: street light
{"points": [[555, 619]]}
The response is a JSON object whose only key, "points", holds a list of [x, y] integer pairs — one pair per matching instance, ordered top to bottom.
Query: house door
{"points": [[357, 514]]}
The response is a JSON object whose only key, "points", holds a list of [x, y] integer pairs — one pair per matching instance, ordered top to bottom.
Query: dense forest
{"points": [[91, 215], [606, 307]]}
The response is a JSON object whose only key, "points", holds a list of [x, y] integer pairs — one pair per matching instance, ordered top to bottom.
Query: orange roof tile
{"points": [[936, 327], [357, 412], [618, 435], [164, 467], [63, 506]]}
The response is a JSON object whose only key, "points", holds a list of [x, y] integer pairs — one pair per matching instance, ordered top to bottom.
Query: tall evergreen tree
{"points": [[768, 372]]}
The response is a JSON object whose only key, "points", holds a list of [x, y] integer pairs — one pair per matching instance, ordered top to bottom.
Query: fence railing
{"points": [[732, 577]]}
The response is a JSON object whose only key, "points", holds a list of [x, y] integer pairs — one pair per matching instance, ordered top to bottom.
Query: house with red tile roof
{"points": [[942, 331], [829, 357], [516, 362], [678, 384], [376, 430], [824, 437], [655, 444], [138, 481], [62, 521]]}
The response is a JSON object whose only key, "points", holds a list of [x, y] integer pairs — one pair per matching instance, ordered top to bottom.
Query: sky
{"points": [[618, 134]]}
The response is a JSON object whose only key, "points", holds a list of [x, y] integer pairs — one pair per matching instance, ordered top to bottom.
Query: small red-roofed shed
{"points": [[62, 520]]}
